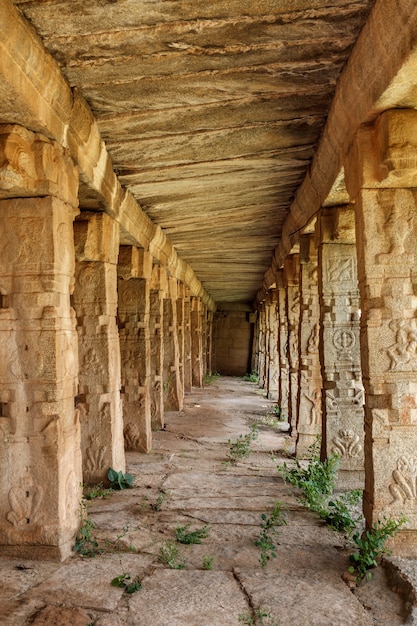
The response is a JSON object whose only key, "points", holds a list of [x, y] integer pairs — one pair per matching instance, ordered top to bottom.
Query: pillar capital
{"points": [[384, 155], [31, 165], [335, 225], [96, 237], [134, 263], [292, 270]]}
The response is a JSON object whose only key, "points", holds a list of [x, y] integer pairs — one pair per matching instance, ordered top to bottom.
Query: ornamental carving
{"points": [[341, 269], [344, 341], [403, 352], [132, 437], [347, 444], [95, 454], [403, 487], [25, 499]]}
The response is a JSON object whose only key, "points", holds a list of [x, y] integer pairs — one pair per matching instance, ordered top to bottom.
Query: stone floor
{"points": [[186, 480]]}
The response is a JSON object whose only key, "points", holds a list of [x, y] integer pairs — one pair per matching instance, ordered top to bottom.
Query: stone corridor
{"points": [[303, 586]]}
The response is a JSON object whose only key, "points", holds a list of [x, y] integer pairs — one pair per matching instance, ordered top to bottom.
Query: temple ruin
{"points": [[188, 188]]}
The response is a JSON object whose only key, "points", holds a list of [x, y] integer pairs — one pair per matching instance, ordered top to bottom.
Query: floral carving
{"points": [[347, 444], [24, 498]]}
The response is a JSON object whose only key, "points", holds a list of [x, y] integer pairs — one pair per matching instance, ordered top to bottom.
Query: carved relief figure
{"points": [[313, 340], [403, 352], [313, 397], [132, 437], [346, 443], [95, 454], [404, 486], [24, 498]]}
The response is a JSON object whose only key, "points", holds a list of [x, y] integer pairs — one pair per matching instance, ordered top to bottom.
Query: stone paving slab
{"points": [[87, 582], [193, 598], [297, 600]]}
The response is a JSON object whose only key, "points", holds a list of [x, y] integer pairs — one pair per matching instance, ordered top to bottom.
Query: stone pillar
{"points": [[381, 176], [135, 271], [291, 281], [159, 287], [95, 303], [210, 317], [181, 330], [204, 338], [196, 342], [262, 345], [283, 363], [273, 364], [188, 372], [173, 392], [343, 412], [309, 421], [40, 450]]}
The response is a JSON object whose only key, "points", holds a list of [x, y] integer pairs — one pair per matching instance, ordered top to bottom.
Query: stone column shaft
{"points": [[381, 176], [135, 271], [291, 277], [159, 287], [95, 303], [196, 342], [283, 364], [272, 368], [188, 372], [173, 391], [343, 412], [309, 420], [40, 452]]}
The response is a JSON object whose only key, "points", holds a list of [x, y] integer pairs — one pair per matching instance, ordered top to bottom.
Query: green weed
{"points": [[252, 377], [241, 448], [118, 480], [95, 491], [162, 496], [269, 528], [183, 536], [85, 542], [371, 546], [168, 554], [208, 562], [125, 581], [257, 618]]}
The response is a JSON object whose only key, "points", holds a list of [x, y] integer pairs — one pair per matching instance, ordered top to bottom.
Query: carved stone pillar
{"points": [[381, 176], [135, 271], [291, 281], [159, 287], [95, 304], [210, 317], [181, 330], [204, 337], [282, 338], [196, 342], [262, 345], [272, 368], [188, 372], [173, 391], [343, 412], [309, 422], [40, 451]]}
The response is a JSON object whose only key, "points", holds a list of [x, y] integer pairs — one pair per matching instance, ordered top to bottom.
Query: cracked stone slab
{"points": [[87, 582], [195, 598], [296, 599]]}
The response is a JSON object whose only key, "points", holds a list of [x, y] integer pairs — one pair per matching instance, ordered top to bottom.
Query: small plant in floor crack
{"points": [[252, 377], [210, 378], [241, 448], [119, 480], [316, 481], [91, 492], [162, 496], [338, 512], [269, 528], [184, 536], [85, 543], [117, 544], [371, 546], [168, 554], [208, 562], [125, 581], [259, 617]]}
